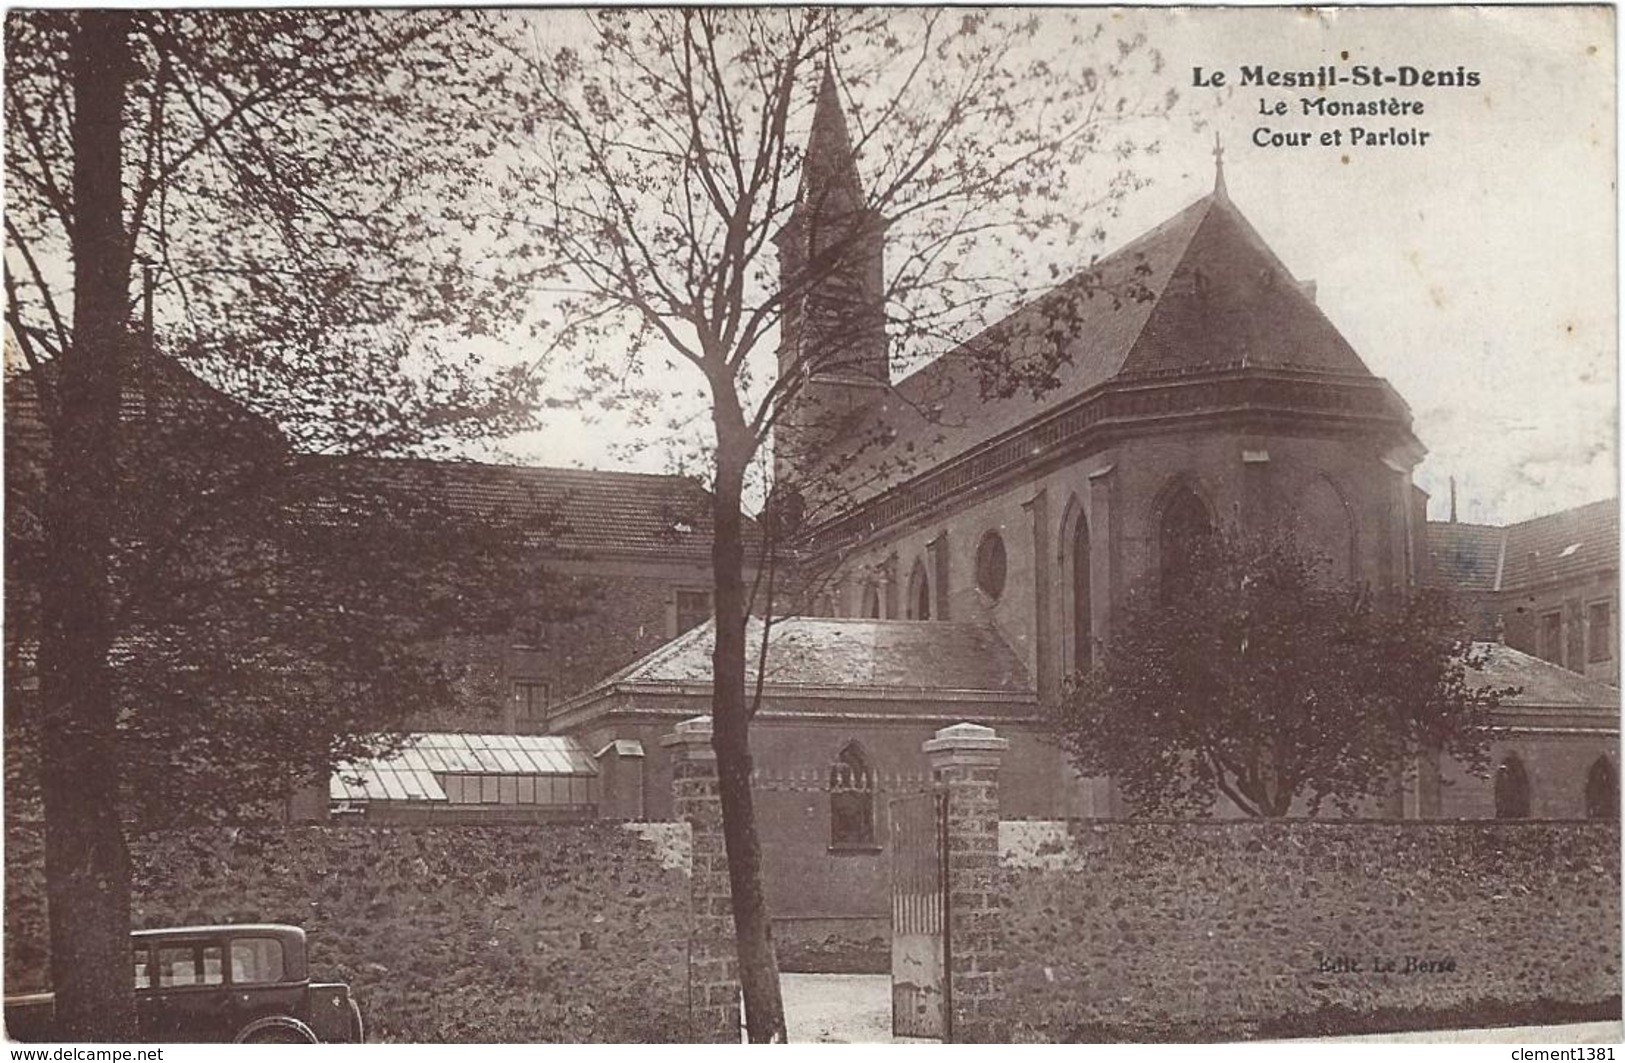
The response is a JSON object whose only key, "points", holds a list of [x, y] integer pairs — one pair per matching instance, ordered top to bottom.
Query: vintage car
{"points": [[245, 983]]}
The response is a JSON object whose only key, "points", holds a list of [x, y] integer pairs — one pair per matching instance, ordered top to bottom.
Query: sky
{"points": [[1475, 272]]}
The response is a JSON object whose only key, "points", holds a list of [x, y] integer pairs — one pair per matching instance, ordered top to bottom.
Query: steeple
{"points": [[1218, 168], [829, 171], [832, 335]]}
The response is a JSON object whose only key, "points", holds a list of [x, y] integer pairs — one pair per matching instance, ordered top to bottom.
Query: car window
{"points": [[256, 960], [177, 965], [214, 965], [143, 972]]}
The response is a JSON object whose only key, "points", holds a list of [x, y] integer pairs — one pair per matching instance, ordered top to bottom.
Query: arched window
{"points": [[1184, 524], [1324, 528], [991, 565], [919, 593], [871, 602], [1083, 642], [1511, 789], [1602, 791], [851, 799]]}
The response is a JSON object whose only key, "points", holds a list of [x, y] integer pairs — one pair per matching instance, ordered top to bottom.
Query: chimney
{"points": [[1452, 500]]}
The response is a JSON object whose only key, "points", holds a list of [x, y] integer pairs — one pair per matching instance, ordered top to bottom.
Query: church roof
{"points": [[1201, 291], [587, 510], [912, 658], [1541, 684]]}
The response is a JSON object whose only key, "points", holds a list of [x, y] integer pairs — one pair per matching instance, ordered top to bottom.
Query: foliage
{"points": [[275, 171], [281, 172], [270, 611], [273, 613], [1255, 677]]}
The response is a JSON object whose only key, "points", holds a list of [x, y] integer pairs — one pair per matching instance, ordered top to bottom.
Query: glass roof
{"points": [[410, 775]]}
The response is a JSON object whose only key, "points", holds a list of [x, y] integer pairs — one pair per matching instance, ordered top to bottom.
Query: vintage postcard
{"points": [[812, 524]]}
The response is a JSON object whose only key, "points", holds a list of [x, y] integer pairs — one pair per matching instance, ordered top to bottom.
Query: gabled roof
{"points": [[1200, 291], [591, 511], [1569, 544], [1563, 545], [1466, 557], [840, 654], [1543, 684]]}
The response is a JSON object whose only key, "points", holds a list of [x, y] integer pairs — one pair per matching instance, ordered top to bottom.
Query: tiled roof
{"points": [[1200, 291], [591, 511], [1563, 545], [1558, 546], [1466, 557], [886, 656], [1544, 685], [410, 775]]}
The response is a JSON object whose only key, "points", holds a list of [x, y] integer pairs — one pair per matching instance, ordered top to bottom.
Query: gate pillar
{"points": [[965, 761], [713, 978]]}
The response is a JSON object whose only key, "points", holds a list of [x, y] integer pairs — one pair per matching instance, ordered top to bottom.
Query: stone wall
{"points": [[1218, 930], [554, 933]]}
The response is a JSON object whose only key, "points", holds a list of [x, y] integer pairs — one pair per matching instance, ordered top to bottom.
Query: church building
{"points": [[972, 545], [969, 546]]}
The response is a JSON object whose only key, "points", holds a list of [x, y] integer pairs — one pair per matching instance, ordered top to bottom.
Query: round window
{"points": [[990, 565]]}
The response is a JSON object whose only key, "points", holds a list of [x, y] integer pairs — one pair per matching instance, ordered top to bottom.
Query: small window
{"points": [[991, 565], [919, 593], [871, 602], [693, 609], [1600, 631], [526, 635], [1551, 637], [530, 699], [1511, 789], [1602, 791], [851, 800], [256, 960], [143, 970]]}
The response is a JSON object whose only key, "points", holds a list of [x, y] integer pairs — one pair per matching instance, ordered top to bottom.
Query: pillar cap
{"points": [[691, 732], [966, 737]]}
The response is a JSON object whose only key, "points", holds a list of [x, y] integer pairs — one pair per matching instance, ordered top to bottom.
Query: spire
{"points": [[829, 166], [1218, 167]]}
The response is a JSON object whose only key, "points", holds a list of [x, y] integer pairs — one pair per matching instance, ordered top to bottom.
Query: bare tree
{"points": [[277, 173], [857, 188]]}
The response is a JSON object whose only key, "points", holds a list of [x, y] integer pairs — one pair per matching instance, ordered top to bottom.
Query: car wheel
{"points": [[276, 1030]]}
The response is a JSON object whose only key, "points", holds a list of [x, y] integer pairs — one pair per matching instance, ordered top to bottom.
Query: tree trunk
{"points": [[730, 737], [87, 867]]}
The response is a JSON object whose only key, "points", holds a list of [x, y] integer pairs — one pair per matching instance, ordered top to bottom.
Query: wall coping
{"points": [[694, 731], [966, 737]]}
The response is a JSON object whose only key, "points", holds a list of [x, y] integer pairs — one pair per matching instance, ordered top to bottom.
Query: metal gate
{"points": [[921, 991]]}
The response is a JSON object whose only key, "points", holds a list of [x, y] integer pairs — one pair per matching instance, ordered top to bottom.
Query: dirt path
{"points": [[837, 1008], [856, 1009]]}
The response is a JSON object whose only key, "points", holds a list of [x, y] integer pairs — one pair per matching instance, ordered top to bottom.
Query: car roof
{"points": [[282, 930]]}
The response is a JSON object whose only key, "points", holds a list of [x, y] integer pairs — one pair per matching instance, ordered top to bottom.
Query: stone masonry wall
{"points": [[1164, 931], [490, 934]]}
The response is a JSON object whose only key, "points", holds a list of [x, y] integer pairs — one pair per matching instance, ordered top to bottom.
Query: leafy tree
{"points": [[276, 172], [668, 217], [1248, 673]]}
